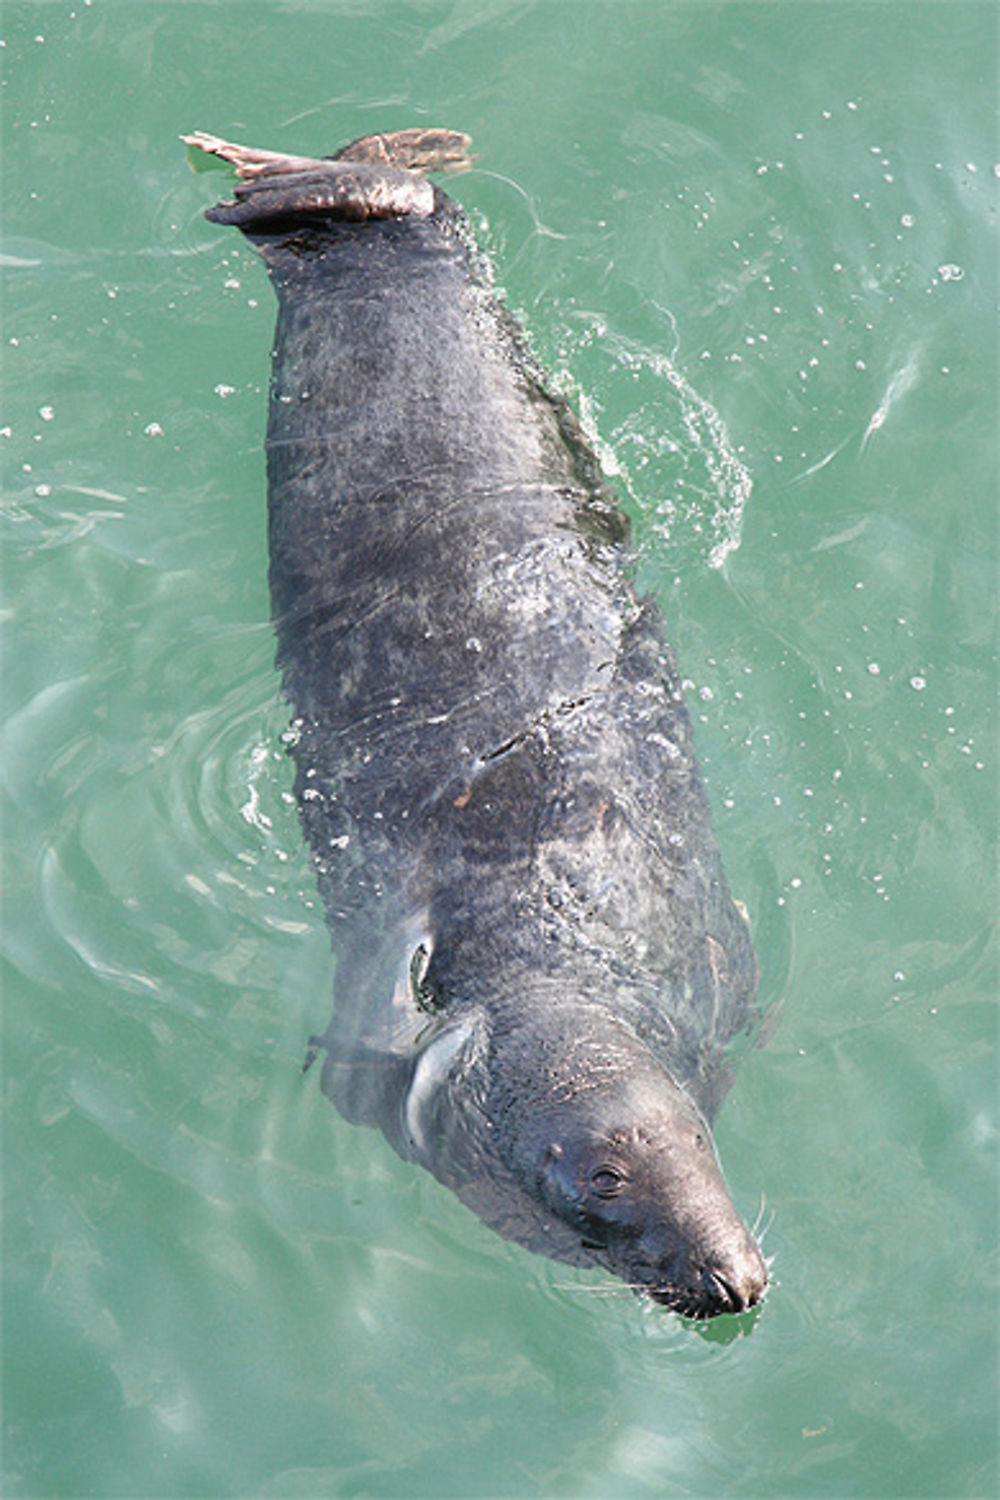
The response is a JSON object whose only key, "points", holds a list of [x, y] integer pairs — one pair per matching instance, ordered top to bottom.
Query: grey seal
{"points": [[539, 966]]}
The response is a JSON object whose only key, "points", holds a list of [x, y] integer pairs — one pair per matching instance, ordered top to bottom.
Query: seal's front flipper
{"points": [[376, 177], [364, 1084], [442, 1085], [419, 1096]]}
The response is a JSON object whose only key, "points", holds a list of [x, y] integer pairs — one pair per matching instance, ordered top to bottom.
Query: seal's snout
{"points": [[728, 1280], [733, 1281], [712, 1292]]}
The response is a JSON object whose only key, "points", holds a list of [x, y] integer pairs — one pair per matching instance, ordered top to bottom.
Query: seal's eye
{"points": [[605, 1182]]}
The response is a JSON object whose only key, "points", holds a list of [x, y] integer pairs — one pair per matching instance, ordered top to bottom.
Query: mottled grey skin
{"points": [[539, 964]]}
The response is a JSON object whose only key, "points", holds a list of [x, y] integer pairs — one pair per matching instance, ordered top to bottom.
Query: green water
{"points": [[757, 243]]}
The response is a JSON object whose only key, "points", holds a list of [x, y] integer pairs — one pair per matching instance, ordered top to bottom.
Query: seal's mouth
{"points": [[708, 1292], [709, 1300]]}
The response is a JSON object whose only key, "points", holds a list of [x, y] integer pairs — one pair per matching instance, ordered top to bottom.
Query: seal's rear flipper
{"points": [[413, 150], [375, 177]]}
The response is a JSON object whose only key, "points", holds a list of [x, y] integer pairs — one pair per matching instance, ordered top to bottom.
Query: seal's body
{"points": [[538, 961]]}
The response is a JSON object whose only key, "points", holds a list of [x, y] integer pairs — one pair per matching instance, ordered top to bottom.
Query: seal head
{"points": [[623, 1157]]}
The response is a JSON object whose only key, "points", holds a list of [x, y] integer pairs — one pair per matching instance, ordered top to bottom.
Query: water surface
{"points": [[756, 245]]}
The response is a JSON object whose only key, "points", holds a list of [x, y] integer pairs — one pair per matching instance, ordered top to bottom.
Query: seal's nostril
{"points": [[739, 1286], [732, 1298]]}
